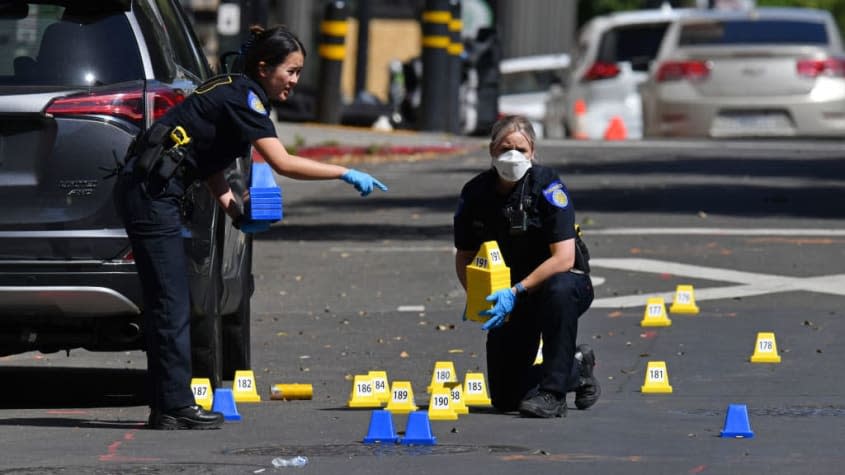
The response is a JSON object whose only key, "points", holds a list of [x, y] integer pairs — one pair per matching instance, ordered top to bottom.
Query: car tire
{"points": [[237, 353]]}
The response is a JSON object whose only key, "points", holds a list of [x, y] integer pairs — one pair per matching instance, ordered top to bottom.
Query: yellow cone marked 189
{"points": [[486, 274], [684, 301], [655, 313], [765, 349], [444, 372], [656, 378], [244, 388], [381, 388], [475, 390], [363, 393], [203, 395], [401, 398], [440, 405]]}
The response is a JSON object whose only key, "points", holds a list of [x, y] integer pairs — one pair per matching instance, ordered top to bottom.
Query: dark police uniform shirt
{"points": [[223, 116], [482, 216]]}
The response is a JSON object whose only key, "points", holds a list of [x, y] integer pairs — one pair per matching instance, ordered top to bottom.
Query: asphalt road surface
{"points": [[347, 285]]}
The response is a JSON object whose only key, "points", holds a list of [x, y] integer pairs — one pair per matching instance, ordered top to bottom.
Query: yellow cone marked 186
{"points": [[486, 274], [684, 301], [655, 313], [765, 349], [656, 378], [244, 388], [363, 393], [203, 395]]}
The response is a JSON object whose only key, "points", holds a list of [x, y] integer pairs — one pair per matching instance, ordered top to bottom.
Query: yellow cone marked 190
{"points": [[440, 405]]}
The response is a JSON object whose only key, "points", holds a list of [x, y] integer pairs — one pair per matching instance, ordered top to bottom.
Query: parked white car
{"points": [[526, 86]]}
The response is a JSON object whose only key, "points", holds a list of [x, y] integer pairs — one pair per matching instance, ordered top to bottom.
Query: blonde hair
{"points": [[508, 125]]}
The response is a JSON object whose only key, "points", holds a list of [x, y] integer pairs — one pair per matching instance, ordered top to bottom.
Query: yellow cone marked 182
{"points": [[765, 349], [656, 378], [244, 388], [203, 395]]}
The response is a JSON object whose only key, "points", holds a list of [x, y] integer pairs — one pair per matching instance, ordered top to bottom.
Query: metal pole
{"points": [[435, 41], [363, 47], [332, 50], [455, 50]]}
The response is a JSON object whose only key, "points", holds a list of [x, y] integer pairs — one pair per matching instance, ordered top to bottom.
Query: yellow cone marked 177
{"points": [[684, 301], [655, 313], [765, 349], [656, 378], [244, 388], [203, 396]]}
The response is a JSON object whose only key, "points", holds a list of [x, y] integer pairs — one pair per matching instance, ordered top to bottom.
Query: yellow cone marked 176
{"points": [[440, 405]]}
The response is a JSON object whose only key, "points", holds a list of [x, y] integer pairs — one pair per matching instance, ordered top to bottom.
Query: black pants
{"points": [[154, 226], [551, 311]]}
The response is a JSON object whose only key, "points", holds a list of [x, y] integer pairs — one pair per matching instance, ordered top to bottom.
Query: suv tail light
{"points": [[813, 68], [601, 70], [677, 70], [125, 104]]}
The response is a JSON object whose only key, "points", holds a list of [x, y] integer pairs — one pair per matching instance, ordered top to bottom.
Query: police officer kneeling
{"points": [[197, 140], [527, 210]]}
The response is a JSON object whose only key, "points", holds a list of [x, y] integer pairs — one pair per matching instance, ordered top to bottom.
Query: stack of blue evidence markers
{"points": [[265, 196]]}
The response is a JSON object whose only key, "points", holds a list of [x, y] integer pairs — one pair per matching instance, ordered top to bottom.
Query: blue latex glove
{"points": [[362, 182], [249, 226], [504, 302]]}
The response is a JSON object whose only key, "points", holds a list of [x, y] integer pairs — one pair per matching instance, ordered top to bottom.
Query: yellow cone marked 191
{"points": [[486, 274], [765, 349], [656, 378]]}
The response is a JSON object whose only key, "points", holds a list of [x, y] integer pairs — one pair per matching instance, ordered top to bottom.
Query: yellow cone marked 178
{"points": [[684, 301], [655, 313], [765, 349], [444, 372], [656, 378], [244, 388], [381, 388], [203, 395], [401, 398]]}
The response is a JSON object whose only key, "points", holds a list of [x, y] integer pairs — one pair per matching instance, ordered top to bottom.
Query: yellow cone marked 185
{"points": [[475, 390]]}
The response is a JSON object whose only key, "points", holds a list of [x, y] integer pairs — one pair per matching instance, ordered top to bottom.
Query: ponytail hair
{"points": [[270, 46]]}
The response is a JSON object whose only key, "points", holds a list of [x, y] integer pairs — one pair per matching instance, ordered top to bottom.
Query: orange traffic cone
{"points": [[580, 110], [616, 129]]}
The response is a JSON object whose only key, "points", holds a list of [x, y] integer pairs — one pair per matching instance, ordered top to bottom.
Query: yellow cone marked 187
{"points": [[655, 313], [765, 349], [656, 378], [244, 388], [203, 395]]}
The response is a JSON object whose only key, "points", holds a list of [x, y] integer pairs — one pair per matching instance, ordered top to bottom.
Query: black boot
{"points": [[587, 391], [543, 404], [189, 417]]}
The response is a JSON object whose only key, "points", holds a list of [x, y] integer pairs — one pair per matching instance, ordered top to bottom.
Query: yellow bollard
{"points": [[486, 274]]}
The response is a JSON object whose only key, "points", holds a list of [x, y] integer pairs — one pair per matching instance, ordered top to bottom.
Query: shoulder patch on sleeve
{"points": [[255, 103], [555, 194]]}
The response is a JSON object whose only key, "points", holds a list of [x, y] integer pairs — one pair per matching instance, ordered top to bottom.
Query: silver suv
{"points": [[78, 81]]}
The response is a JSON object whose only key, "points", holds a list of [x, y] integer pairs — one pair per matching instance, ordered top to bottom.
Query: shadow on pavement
{"points": [[40, 388]]}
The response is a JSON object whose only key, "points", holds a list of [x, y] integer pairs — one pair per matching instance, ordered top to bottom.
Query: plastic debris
{"points": [[298, 461]]}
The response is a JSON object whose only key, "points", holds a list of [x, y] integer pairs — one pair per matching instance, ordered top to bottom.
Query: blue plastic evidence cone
{"points": [[224, 402], [736, 423], [381, 428], [418, 430]]}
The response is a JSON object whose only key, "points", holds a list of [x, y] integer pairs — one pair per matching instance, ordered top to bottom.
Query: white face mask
{"points": [[512, 165]]}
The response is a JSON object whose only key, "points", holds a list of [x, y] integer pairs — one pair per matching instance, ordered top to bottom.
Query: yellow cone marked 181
{"points": [[486, 274], [684, 301], [655, 313], [765, 349], [656, 378], [244, 388], [203, 395]]}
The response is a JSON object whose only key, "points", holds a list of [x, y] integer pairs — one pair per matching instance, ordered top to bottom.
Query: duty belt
{"points": [[156, 158]]}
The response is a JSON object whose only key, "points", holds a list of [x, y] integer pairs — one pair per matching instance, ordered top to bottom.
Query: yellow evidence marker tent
{"points": [[486, 274], [684, 301], [655, 313], [765, 349], [444, 372], [656, 378], [244, 388], [381, 388], [475, 390], [363, 394], [203, 395], [401, 398], [457, 402], [440, 405]]}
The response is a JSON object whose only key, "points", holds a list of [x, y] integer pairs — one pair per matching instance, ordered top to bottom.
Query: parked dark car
{"points": [[78, 81]]}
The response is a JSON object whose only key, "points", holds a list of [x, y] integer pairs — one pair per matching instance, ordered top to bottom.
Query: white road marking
{"points": [[714, 232], [752, 283], [411, 308]]}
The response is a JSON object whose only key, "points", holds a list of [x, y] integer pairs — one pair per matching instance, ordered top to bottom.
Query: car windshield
{"points": [[753, 32], [49, 44], [637, 44], [525, 82]]}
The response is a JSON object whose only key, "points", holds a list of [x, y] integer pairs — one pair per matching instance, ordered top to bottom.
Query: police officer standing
{"points": [[197, 140], [527, 210]]}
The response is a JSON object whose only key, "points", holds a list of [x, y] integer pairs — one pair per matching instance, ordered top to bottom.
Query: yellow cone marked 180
{"points": [[486, 274], [765, 349], [444, 372], [656, 378], [244, 388], [203, 396]]}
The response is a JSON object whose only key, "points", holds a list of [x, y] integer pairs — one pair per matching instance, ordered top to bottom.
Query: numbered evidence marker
{"points": [[486, 274], [684, 301], [655, 313], [766, 349], [444, 372], [656, 378], [244, 388], [381, 388], [475, 390], [456, 391], [363, 393], [203, 395], [401, 398], [440, 405]]}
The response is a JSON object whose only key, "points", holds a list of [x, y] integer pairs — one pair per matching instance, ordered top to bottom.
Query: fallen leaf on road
{"points": [[445, 327], [456, 350], [404, 354]]}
